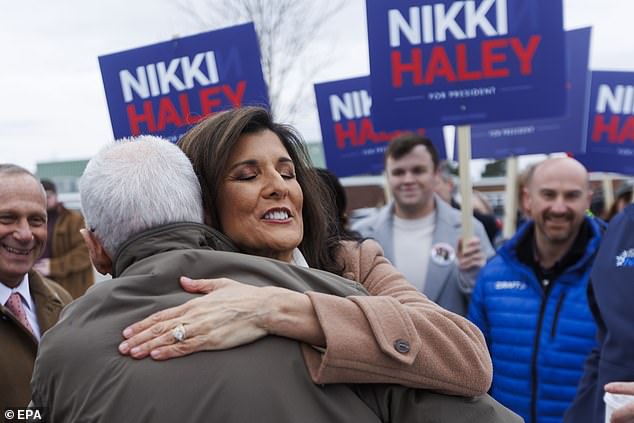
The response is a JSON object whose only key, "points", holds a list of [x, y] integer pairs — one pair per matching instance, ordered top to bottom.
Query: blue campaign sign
{"points": [[440, 62], [164, 88], [611, 120], [565, 134], [351, 144], [607, 163]]}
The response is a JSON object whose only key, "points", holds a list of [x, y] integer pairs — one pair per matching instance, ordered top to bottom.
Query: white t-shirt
{"points": [[412, 242]]}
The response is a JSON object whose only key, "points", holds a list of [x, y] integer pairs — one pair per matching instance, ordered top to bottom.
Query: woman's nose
{"points": [[276, 186]]}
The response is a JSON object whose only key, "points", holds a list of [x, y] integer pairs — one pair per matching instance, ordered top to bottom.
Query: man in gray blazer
{"points": [[421, 234]]}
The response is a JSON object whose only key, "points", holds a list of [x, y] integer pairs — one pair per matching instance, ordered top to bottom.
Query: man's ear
{"points": [[526, 202], [100, 259]]}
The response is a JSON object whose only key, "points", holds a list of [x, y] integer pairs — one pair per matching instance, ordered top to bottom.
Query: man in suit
{"points": [[420, 233], [65, 258], [29, 303], [79, 373]]}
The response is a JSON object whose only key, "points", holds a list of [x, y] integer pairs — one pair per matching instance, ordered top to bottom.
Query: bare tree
{"points": [[285, 29]]}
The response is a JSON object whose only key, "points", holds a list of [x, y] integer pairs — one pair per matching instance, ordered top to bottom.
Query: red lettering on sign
{"points": [[525, 55], [490, 58], [496, 61], [439, 65], [462, 65], [167, 114], [157, 117], [136, 119], [611, 130], [358, 136]]}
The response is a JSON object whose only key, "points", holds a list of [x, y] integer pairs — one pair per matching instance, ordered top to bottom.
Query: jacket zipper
{"points": [[553, 329], [536, 351]]}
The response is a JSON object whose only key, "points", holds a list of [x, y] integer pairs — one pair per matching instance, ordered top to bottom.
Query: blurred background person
{"points": [[336, 195], [622, 197], [482, 210], [523, 214], [420, 233], [65, 258], [610, 296], [29, 303]]}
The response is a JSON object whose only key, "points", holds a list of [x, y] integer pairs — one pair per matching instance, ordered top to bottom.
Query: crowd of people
{"points": [[239, 291]]}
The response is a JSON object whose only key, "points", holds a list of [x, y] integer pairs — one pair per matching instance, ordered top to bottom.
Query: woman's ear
{"points": [[100, 259]]}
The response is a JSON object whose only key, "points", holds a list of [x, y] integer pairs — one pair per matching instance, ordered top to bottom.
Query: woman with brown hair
{"points": [[260, 190]]}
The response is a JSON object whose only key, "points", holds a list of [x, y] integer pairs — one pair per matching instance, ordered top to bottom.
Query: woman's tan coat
{"points": [[396, 335]]}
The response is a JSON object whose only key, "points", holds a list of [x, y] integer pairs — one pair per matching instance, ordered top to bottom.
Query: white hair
{"points": [[137, 184]]}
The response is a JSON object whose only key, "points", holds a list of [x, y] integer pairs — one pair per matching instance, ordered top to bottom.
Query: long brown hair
{"points": [[209, 145]]}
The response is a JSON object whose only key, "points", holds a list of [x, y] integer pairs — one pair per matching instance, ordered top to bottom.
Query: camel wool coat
{"points": [[395, 335]]}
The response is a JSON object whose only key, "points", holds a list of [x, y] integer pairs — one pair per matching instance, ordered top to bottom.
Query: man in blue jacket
{"points": [[610, 296], [530, 299]]}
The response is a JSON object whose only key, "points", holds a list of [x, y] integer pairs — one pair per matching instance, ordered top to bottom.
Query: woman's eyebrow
{"points": [[247, 162]]}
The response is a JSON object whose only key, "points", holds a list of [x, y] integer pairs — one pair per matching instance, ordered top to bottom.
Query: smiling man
{"points": [[420, 233], [530, 299], [29, 303]]}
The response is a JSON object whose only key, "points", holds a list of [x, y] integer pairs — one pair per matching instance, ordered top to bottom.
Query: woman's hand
{"points": [[229, 315], [625, 414]]}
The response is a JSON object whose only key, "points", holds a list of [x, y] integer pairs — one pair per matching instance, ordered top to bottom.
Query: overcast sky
{"points": [[52, 103]]}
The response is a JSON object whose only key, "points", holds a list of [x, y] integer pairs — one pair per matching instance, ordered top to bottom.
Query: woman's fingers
{"points": [[191, 285], [202, 286], [228, 315], [154, 324]]}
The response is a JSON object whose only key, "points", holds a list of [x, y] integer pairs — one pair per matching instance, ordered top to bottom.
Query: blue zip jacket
{"points": [[611, 294], [538, 338]]}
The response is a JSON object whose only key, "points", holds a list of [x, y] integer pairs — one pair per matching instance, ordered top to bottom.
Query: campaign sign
{"points": [[439, 62], [164, 88], [611, 121], [565, 134], [351, 144], [607, 163]]}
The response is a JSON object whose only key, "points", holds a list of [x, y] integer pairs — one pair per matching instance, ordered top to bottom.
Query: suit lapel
{"points": [[446, 230], [384, 231], [47, 303]]}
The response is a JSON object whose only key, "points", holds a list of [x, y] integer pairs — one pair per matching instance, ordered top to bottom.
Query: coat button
{"points": [[401, 346]]}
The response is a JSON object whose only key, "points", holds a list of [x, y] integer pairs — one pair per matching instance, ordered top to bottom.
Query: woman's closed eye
{"points": [[288, 175], [245, 177]]}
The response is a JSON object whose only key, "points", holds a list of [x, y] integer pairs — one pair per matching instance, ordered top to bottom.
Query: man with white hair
{"points": [[143, 207]]}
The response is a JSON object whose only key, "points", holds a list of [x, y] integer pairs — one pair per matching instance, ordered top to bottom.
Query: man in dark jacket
{"points": [[65, 258], [610, 295], [530, 299], [29, 303], [80, 375]]}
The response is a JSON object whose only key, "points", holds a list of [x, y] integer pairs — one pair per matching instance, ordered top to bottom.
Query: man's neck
{"points": [[414, 213], [548, 253]]}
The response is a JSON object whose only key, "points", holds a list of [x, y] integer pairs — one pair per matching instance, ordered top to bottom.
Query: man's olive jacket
{"points": [[80, 376]]}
